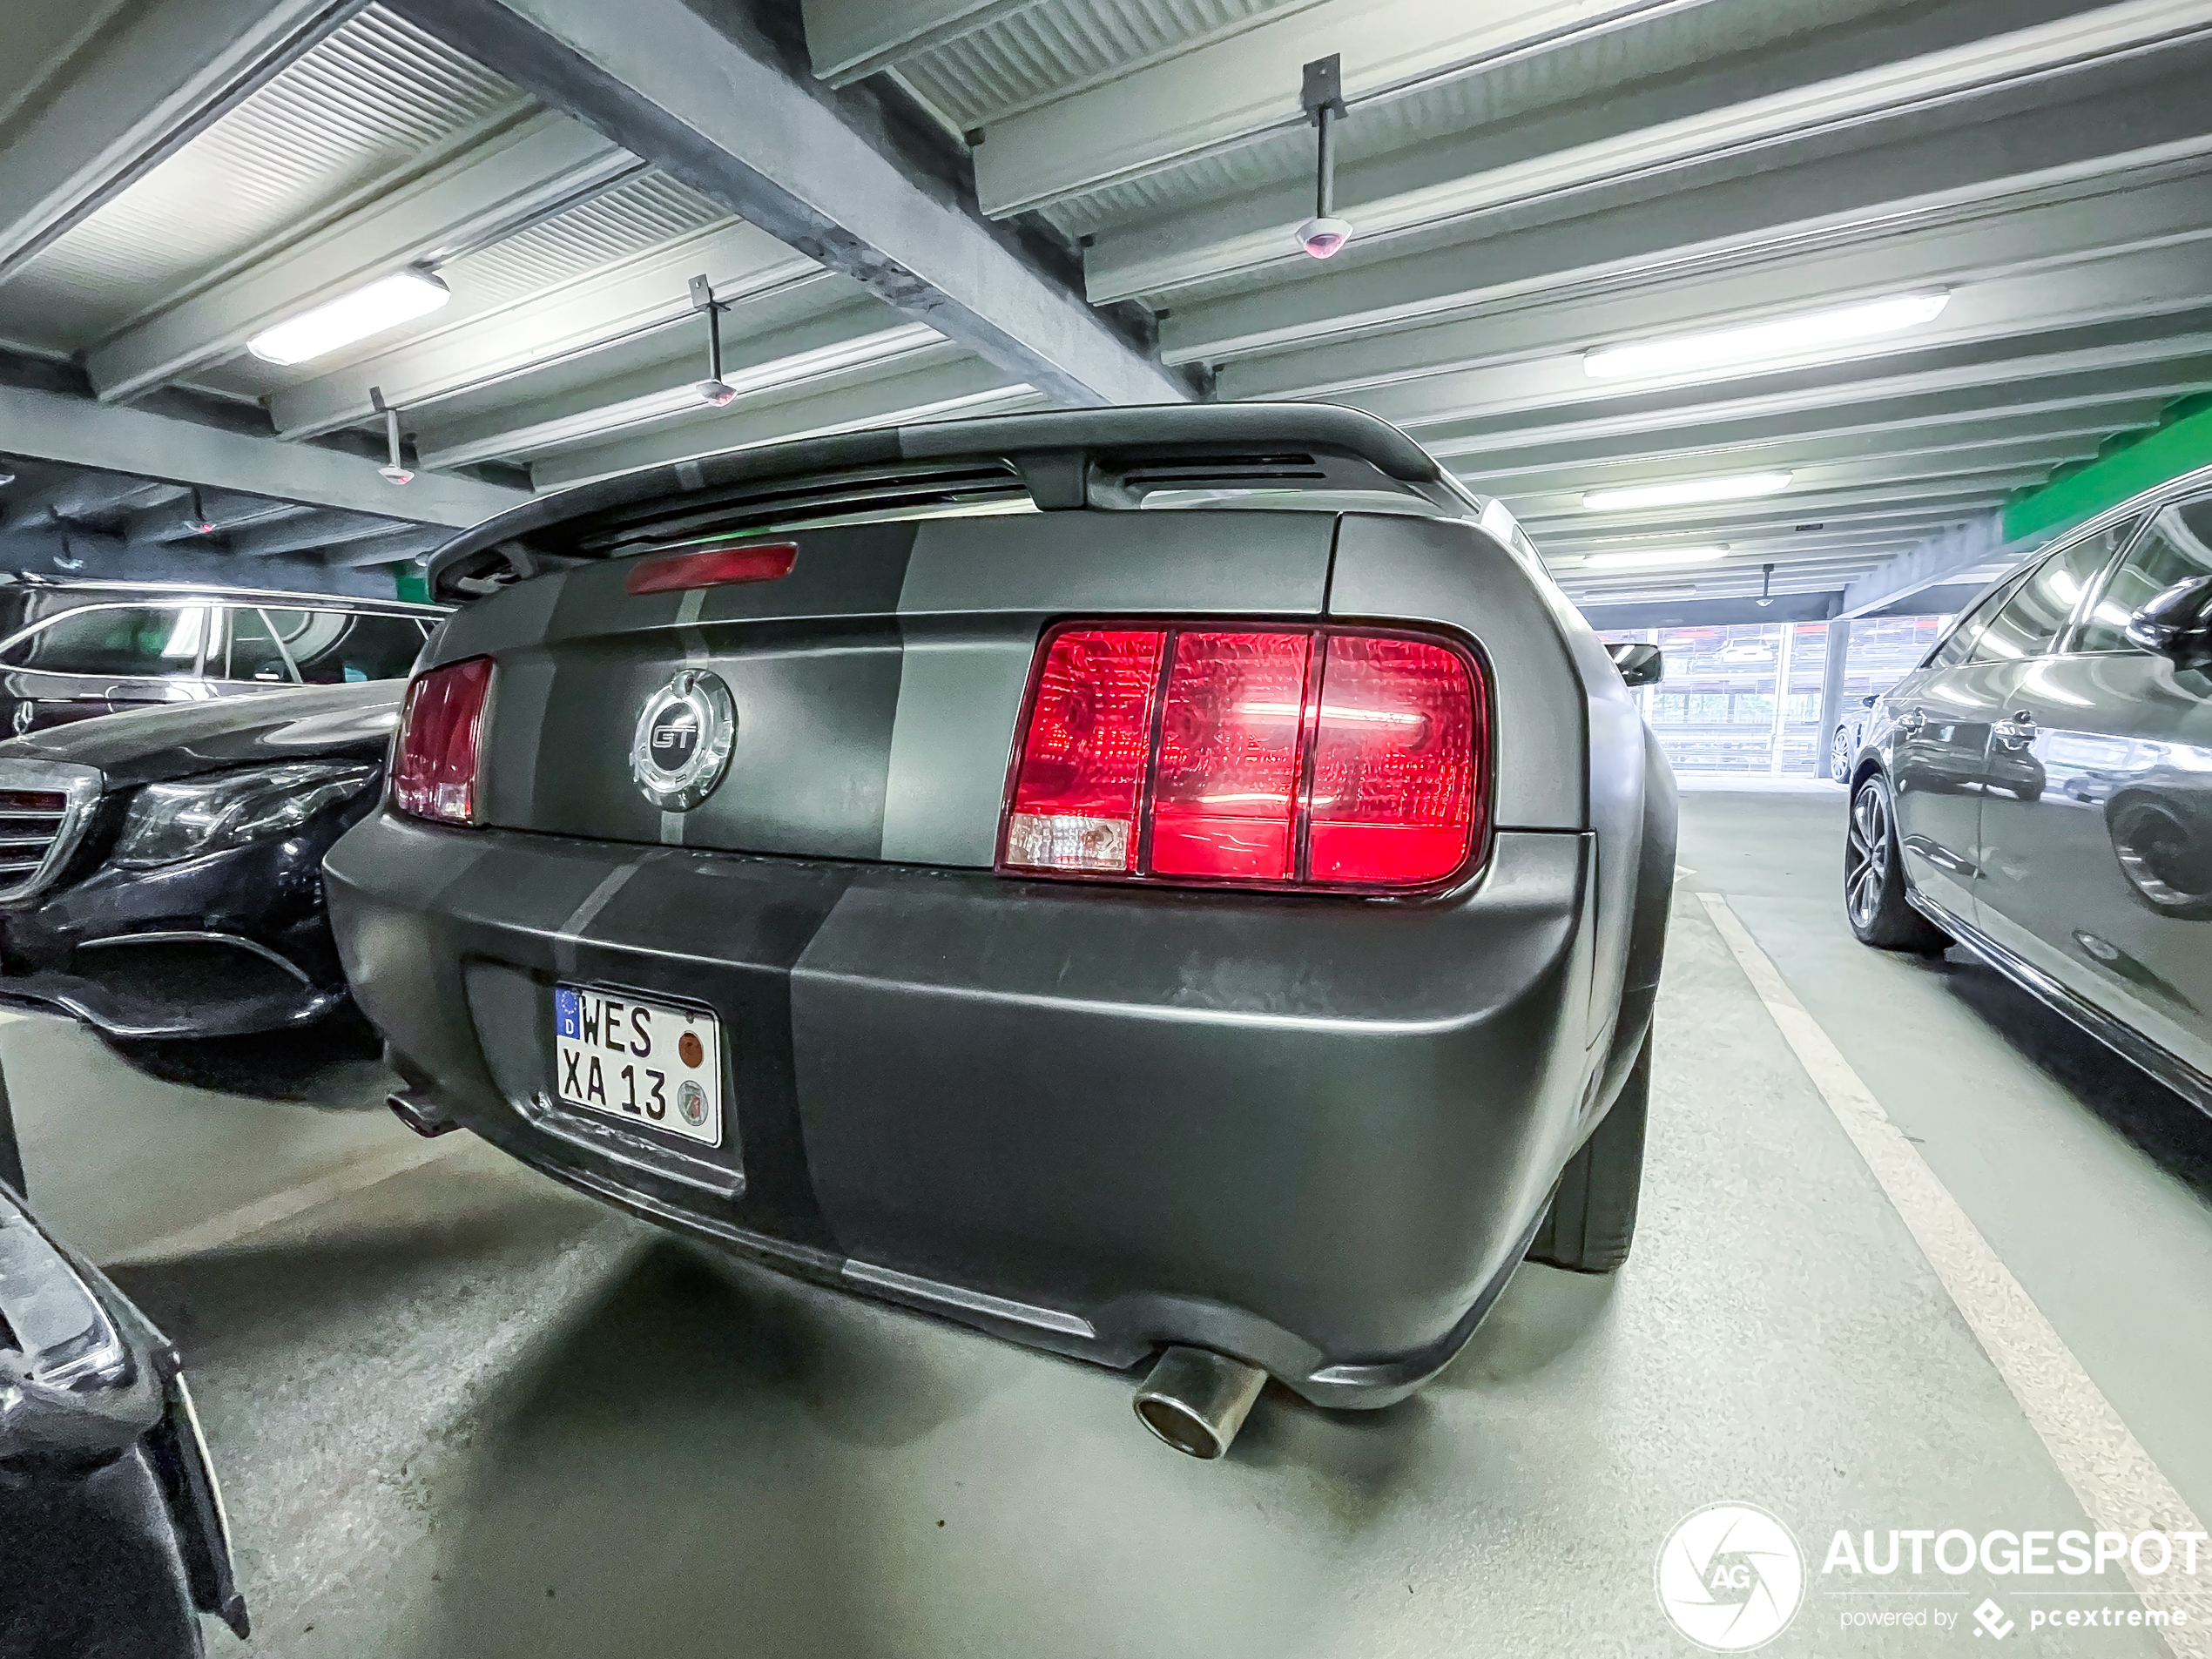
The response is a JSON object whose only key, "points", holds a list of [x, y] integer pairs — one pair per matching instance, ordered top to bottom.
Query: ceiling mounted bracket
{"points": [[1322, 99], [714, 391], [395, 469]]}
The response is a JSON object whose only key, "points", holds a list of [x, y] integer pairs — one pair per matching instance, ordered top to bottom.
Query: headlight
{"points": [[171, 822]]}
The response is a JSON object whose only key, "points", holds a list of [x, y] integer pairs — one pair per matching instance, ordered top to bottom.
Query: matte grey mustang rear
{"points": [[1230, 928]]}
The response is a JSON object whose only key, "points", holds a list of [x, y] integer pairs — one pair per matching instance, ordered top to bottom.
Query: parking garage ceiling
{"points": [[917, 208]]}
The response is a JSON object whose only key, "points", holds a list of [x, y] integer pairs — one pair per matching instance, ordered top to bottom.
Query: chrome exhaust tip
{"points": [[426, 1123], [1196, 1399]]}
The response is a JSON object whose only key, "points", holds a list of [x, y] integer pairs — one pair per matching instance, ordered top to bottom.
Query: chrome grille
{"points": [[44, 805]]}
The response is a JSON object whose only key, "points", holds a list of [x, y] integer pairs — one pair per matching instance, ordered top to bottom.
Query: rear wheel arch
{"points": [[1876, 888], [1653, 906]]}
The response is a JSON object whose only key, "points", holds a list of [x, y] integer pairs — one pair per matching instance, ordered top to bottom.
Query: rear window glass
{"points": [[2175, 548], [2035, 613], [1961, 639], [342, 647], [254, 653]]}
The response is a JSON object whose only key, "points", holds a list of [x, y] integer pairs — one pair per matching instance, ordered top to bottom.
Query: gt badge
{"points": [[683, 741]]}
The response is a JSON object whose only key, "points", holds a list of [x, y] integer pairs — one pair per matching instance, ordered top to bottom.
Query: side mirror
{"points": [[2178, 623], [1640, 664], [1868, 702]]}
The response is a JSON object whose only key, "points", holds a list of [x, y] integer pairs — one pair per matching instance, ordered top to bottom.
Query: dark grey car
{"points": [[2039, 790], [1230, 929]]}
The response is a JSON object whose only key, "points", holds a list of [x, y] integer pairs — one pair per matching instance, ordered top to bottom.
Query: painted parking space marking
{"points": [[217, 1231], [2121, 1487]]}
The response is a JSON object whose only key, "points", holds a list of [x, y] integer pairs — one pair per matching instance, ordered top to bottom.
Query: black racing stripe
{"points": [[703, 929]]}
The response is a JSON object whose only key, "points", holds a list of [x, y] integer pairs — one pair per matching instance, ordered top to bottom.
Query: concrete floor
{"points": [[462, 1412]]}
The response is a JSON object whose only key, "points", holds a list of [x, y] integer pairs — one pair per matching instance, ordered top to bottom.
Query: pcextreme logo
{"points": [[1730, 1577]]}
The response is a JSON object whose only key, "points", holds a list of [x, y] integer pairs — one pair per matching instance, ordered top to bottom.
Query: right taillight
{"points": [[1252, 756], [433, 772]]}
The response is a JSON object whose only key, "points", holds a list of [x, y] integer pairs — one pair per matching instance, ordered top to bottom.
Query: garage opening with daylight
{"points": [[1118, 826]]}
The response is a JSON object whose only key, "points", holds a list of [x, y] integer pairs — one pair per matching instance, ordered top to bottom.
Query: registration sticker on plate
{"points": [[643, 1062]]}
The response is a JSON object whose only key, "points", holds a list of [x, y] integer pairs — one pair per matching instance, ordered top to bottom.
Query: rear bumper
{"points": [[1314, 1134]]}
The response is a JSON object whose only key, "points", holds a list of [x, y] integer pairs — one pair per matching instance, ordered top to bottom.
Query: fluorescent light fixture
{"points": [[383, 304], [1807, 333], [1735, 486], [1649, 556], [1615, 595]]}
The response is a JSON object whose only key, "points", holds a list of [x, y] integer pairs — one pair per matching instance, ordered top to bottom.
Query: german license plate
{"points": [[643, 1062]]}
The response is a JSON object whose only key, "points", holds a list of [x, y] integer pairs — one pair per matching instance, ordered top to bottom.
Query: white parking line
{"points": [[227, 1229], [2120, 1487]]}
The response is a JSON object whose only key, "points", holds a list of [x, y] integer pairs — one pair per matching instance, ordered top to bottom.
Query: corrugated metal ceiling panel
{"points": [[1060, 46], [1579, 69], [365, 105], [640, 214]]}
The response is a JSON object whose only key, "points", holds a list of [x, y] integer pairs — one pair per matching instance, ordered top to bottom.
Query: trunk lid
{"points": [[876, 688]]}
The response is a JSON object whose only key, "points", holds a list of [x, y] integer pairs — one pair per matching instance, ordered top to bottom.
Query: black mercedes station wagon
{"points": [[71, 650], [2039, 790], [1133, 880]]}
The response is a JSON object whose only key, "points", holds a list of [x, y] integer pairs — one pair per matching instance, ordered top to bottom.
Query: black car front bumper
{"points": [[227, 944], [1312, 1133]]}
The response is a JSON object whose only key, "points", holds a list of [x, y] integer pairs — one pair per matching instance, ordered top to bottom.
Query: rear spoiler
{"points": [[1101, 459]]}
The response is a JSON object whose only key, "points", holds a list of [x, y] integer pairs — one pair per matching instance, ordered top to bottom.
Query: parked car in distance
{"points": [[71, 649], [1849, 737], [2039, 790], [160, 871], [1080, 889], [112, 1539]]}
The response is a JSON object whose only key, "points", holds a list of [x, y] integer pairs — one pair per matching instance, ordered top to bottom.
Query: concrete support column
{"points": [[1832, 690], [1780, 728]]}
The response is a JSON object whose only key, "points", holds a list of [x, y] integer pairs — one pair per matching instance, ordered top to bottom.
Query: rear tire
{"points": [[1874, 888], [1593, 1213]]}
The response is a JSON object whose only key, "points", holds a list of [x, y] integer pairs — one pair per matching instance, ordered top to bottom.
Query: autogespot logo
{"points": [[1730, 1577]]}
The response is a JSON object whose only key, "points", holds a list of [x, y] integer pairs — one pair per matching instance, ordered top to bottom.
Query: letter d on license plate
{"points": [[645, 1062]]}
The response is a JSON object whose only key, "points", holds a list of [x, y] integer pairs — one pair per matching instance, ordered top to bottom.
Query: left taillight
{"points": [[1248, 756], [433, 772]]}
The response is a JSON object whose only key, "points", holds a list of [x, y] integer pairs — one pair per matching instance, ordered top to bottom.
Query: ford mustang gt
{"points": [[1167, 883]]}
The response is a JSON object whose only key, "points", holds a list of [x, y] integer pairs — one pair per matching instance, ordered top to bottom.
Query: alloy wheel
{"points": [[1866, 854]]}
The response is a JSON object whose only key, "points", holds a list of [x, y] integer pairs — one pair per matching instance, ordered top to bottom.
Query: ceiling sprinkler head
{"points": [[1322, 237], [714, 394], [392, 473]]}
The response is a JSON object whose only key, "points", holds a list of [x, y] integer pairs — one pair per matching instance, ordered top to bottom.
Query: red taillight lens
{"points": [[716, 568], [1084, 756], [1323, 757], [1393, 763], [434, 774], [1224, 801]]}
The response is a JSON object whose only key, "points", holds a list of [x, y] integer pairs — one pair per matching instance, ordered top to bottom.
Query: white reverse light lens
{"points": [[383, 304], [1807, 333], [1689, 491], [1650, 555]]}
